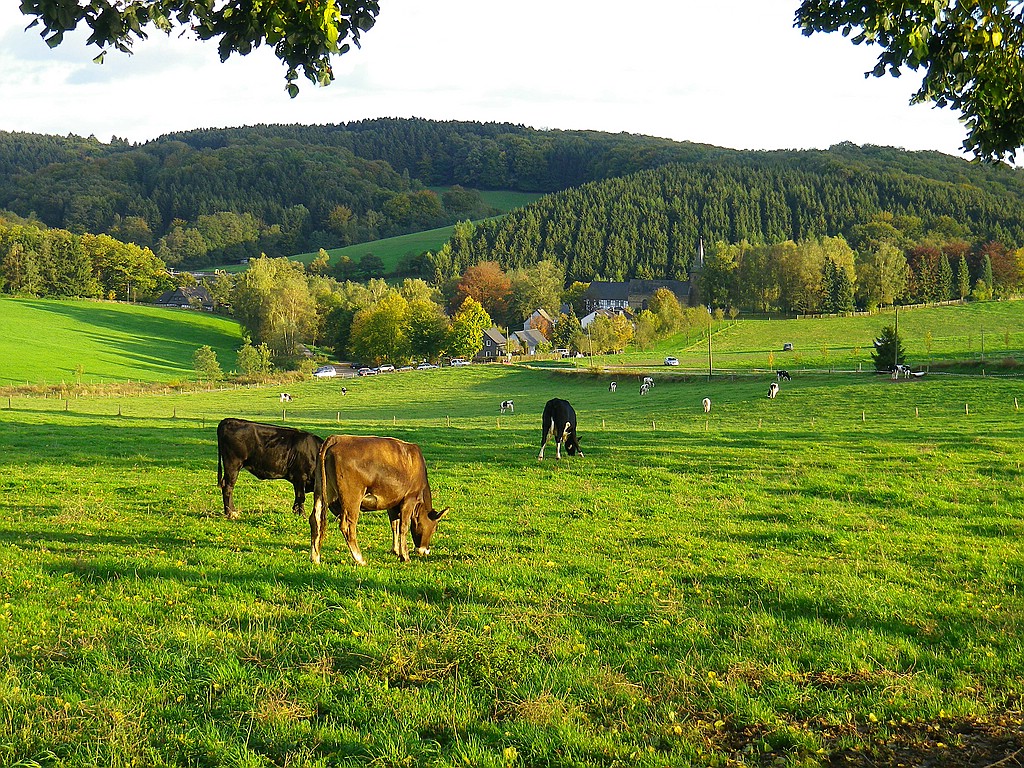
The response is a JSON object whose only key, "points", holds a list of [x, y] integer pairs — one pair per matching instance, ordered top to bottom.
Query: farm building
{"points": [[633, 294], [196, 297]]}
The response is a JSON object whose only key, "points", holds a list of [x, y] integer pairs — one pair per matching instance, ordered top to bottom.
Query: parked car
{"points": [[787, 347], [560, 352], [458, 361], [671, 361], [425, 366], [405, 368], [386, 369], [368, 371], [325, 372]]}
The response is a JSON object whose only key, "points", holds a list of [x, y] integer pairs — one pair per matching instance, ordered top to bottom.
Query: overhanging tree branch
{"points": [[304, 33], [972, 55]]}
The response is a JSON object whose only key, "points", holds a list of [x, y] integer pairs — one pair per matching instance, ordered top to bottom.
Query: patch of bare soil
{"points": [[973, 743]]}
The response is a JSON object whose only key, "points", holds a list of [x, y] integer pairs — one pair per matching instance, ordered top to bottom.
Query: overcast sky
{"points": [[734, 73]]}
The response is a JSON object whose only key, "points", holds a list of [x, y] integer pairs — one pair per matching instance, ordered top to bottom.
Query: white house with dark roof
{"points": [[632, 294]]}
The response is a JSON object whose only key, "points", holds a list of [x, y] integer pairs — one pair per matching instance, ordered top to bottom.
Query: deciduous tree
{"points": [[304, 35], [972, 56]]}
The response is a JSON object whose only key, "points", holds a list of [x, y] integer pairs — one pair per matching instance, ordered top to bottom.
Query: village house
{"points": [[633, 294], [188, 297], [494, 347]]}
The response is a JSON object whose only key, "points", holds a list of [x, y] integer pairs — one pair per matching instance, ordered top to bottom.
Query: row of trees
{"points": [[55, 262], [826, 275]]}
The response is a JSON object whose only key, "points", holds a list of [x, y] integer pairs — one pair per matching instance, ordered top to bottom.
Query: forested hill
{"points": [[207, 196], [648, 224]]}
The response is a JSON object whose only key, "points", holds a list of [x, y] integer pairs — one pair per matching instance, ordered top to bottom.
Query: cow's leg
{"points": [[546, 435], [561, 439], [227, 487], [351, 502], [299, 507], [406, 508], [395, 515]]}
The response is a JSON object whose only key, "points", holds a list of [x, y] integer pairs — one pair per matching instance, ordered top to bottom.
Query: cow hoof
{"points": [[233, 515], [424, 551], [315, 559]]}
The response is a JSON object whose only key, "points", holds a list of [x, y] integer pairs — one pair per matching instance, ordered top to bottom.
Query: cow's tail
{"points": [[320, 482]]}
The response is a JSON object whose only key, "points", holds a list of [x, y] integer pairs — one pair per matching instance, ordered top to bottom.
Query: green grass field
{"points": [[391, 250], [957, 334], [47, 340], [44, 341], [830, 578]]}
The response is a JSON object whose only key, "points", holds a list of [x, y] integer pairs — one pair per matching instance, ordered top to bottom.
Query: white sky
{"points": [[733, 73]]}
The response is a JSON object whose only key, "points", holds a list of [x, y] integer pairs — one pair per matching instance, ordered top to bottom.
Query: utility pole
{"points": [[710, 359]]}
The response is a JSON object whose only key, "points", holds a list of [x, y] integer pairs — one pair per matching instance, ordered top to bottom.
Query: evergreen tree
{"points": [[986, 272], [963, 278], [828, 286], [843, 291], [945, 292], [566, 330], [889, 351]]}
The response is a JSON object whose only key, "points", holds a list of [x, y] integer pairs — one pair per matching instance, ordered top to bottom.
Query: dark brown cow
{"points": [[270, 453], [372, 473]]}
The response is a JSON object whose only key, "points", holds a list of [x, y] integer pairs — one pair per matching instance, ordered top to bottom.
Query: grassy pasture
{"points": [[391, 250], [957, 333], [44, 340], [830, 578]]}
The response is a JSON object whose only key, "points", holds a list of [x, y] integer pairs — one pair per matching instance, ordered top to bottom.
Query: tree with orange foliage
{"points": [[488, 284]]}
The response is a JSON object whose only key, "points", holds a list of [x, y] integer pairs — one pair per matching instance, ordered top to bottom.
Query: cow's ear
{"points": [[437, 515]]}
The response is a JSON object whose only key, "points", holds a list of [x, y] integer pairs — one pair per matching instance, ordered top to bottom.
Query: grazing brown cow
{"points": [[269, 452], [371, 473]]}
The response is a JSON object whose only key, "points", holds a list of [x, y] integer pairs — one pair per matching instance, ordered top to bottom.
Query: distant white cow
{"points": [[648, 381], [612, 386], [645, 388], [773, 390], [285, 397], [706, 402], [508, 405]]}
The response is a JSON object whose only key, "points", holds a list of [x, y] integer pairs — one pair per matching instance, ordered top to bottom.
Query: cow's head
{"points": [[572, 444], [423, 526]]}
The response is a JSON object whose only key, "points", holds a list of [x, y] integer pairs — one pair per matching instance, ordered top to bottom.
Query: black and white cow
{"points": [[900, 370], [783, 376], [648, 381], [612, 386], [645, 388], [773, 390], [285, 397], [706, 402], [508, 405], [559, 422], [270, 453]]}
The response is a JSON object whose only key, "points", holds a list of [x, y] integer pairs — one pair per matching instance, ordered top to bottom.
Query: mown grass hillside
{"points": [[391, 250], [45, 341], [833, 577]]}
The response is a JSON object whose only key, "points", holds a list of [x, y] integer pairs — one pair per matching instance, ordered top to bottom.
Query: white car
{"points": [[458, 361], [671, 361], [425, 367], [386, 369], [325, 372]]}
